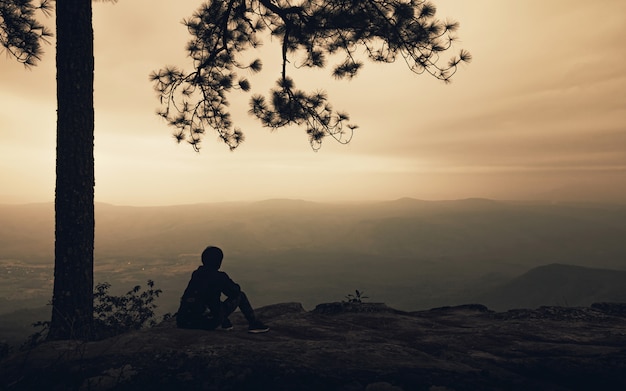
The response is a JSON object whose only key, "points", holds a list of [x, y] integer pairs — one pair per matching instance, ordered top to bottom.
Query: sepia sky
{"points": [[540, 113]]}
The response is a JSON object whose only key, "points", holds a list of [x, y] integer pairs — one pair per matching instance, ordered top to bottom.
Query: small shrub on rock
{"points": [[358, 297], [115, 315]]}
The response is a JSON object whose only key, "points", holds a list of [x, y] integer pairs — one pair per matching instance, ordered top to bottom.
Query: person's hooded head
{"points": [[212, 257]]}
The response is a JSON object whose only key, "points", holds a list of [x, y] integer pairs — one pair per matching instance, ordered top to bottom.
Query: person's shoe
{"points": [[226, 325], [257, 327]]}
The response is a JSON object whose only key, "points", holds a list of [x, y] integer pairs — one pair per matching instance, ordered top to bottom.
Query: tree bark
{"points": [[72, 303]]}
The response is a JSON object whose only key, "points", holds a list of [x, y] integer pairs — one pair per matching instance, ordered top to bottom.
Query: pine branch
{"points": [[222, 30]]}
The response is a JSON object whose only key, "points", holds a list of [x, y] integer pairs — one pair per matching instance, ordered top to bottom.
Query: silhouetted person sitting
{"points": [[201, 306]]}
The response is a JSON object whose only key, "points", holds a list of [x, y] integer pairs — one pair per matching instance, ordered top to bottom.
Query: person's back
{"points": [[204, 292], [199, 296], [201, 306]]}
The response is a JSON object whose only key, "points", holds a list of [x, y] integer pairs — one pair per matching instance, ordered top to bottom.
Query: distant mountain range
{"points": [[470, 229], [412, 254], [557, 285]]}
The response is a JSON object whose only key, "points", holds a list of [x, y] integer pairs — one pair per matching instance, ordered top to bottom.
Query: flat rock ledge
{"points": [[349, 347]]}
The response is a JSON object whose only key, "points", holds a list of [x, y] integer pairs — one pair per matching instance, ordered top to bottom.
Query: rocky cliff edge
{"points": [[348, 346]]}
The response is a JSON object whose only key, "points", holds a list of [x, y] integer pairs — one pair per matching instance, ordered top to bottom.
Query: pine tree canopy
{"points": [[20, 32], [310, 32]]}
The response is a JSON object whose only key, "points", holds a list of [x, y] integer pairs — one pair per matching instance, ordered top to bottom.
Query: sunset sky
{"points": [[539, 113]]}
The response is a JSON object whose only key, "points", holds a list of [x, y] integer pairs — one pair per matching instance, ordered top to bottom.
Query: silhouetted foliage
{"points": [[315, 30], [20, 32], [358, 297], [118, 314], [113, 315], [38, 336]]}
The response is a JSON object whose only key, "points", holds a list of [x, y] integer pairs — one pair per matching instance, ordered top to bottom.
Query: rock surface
{"points": [[348, 346]]}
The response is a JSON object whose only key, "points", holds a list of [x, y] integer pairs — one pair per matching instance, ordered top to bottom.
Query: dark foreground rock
{"points": [[345, 346]]}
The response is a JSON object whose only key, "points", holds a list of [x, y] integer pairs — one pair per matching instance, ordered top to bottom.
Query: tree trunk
{"points": [[72, 303]]}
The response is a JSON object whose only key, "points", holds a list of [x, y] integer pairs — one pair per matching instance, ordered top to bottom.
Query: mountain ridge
{"points": [[558, 284]]}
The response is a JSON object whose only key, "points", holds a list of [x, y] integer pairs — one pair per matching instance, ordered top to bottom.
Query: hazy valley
{"points": [[407, 253]]}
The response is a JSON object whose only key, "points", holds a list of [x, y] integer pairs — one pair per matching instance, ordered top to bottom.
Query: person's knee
{"points": [[234, 299]]}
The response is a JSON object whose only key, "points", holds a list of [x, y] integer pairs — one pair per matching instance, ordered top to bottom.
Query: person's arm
{"points": [[229, 287]]}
